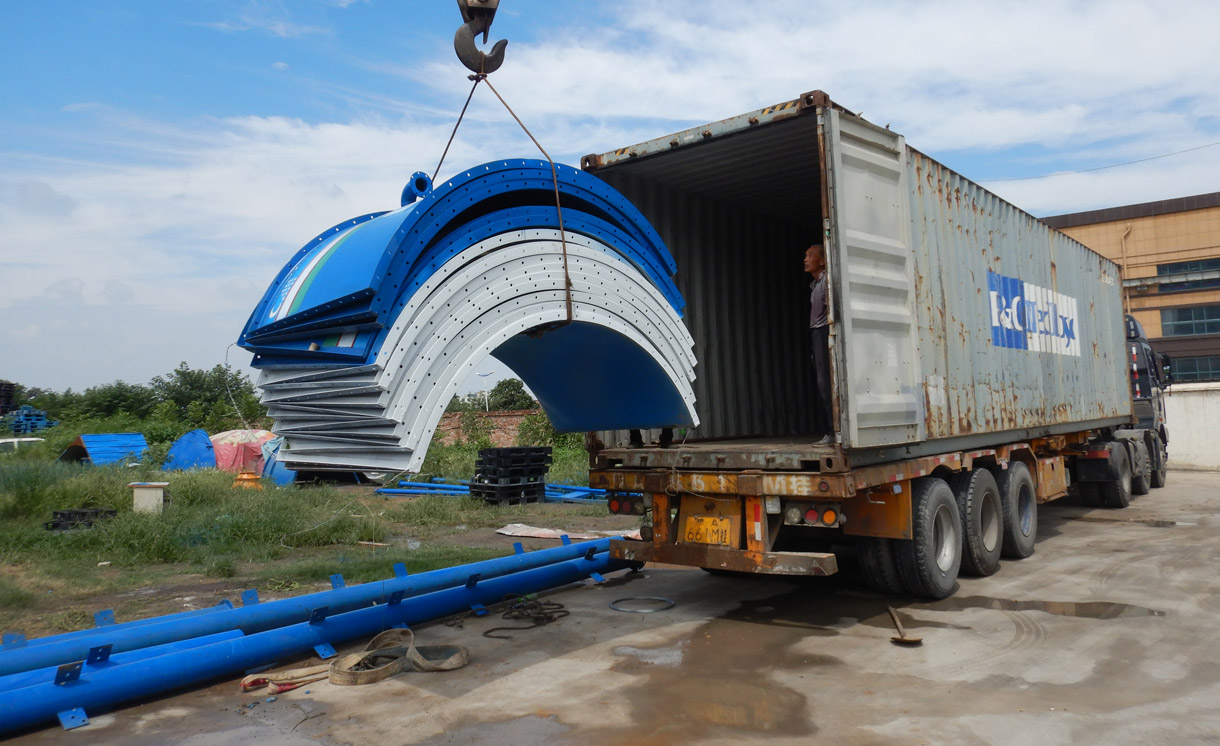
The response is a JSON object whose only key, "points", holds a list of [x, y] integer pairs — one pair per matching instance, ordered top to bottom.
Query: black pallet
{"points": [[515, 456], [511, 474], [509, 494], [63, 520]]}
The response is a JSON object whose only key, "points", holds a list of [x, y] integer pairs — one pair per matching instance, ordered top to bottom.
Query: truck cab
{"points": [[1150, 380]]}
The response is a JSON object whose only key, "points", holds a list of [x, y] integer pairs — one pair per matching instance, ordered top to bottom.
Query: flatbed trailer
{"points": [[725, 506]]}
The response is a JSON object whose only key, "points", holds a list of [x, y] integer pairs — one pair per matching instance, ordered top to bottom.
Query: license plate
{"points": [[707, 530]]}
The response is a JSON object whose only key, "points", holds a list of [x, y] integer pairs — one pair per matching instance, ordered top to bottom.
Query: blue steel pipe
{"points": [[435, 486], [263, 616], [109, 628], [44, 675], [96, 689]]}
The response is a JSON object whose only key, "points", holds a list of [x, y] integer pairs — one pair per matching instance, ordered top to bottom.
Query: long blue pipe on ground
{"points": [[435, 486], [263, 616], [106, 629], [45, 675], [34, 705]]}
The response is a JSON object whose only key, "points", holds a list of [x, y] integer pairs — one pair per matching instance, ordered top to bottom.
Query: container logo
{"points": [[1028, 317]]}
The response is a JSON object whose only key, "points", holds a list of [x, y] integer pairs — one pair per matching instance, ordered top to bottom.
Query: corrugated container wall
{"points": [[934, 281]]}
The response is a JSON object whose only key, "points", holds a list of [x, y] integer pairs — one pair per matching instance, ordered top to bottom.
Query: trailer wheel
{"points": [[1160, 459], [1141, 473], [1117, 493], [978, 501], [1020, 503], [928, 562], [879, 566]]}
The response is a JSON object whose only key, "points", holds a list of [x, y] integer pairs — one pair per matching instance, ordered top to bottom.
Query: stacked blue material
{"points": [[366, 334], [25, 420]]}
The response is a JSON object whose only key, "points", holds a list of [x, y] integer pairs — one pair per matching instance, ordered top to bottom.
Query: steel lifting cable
{"points": [[563, 241]]}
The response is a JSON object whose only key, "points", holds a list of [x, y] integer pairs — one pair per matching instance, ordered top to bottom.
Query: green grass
{"points": [[204, 518], [214, 537], [367, 566], [12, 597]]}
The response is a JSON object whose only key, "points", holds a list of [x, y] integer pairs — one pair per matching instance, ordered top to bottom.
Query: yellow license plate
{"points": [[702, 529]]}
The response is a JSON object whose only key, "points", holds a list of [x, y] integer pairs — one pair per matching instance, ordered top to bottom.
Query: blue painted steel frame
{"points": [[263, 616], [98, 689]]}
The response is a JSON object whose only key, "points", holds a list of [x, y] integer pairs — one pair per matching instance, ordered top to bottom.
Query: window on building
{"points": [[1198, 265], [1184, 322], [1196, 368]]}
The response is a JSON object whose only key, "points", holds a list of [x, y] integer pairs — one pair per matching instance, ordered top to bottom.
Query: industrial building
{"points": [[1170, 255]]}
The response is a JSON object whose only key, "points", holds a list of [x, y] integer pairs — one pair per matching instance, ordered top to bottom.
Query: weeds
{"points": [[12, 597]]}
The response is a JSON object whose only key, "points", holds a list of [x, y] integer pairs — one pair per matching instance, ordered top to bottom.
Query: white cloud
{"points": [[279, 65], [124, 264]]}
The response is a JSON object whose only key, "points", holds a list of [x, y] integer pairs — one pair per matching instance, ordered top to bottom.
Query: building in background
{"points": [[1170, 257]]}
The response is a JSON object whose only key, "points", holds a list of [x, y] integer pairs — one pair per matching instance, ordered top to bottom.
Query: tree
{"points": [[220, 385], [509, 394], [113, 398]]}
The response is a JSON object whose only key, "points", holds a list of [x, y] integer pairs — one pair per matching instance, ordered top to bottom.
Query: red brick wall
{"points": [[503, 426]]}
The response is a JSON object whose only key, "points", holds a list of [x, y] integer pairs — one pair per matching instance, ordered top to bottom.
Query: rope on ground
{"points": [[539, 613]]}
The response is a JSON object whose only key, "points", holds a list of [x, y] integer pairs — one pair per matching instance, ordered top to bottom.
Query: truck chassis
{"points": [[916, 523]]}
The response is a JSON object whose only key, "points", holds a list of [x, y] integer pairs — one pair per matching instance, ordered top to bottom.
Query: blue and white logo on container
{"points": [[1028, 317]]}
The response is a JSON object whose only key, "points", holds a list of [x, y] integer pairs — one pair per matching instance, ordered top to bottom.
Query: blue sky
{"points": [[159, 161]]}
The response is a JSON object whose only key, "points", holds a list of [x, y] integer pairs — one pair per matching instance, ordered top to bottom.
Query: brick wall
{"points": [[503, 426]]}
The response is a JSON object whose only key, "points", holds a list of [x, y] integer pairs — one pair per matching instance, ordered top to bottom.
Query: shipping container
{"points": [[957, 320], [979, 359]]}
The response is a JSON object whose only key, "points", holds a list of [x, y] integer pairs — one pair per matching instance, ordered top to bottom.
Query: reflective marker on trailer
{"points": [[757, 521]]}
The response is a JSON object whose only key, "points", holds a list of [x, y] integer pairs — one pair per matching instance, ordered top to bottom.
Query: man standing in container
{"points": [[819, 332]]}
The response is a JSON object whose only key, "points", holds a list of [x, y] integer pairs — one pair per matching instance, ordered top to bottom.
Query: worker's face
{"points": [[815, 259]]}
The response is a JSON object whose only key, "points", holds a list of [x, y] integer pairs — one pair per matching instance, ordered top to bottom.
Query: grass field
{"points": [[212, 539]]}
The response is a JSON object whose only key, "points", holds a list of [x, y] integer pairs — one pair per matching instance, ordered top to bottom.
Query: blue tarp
{"points": [[107, 448], [192, 451], [272, 468]]}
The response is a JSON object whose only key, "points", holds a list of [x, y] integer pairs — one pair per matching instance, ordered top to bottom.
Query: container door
{"points": [[868, 242]]}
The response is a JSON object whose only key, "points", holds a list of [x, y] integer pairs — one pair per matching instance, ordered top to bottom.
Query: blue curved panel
{"points": [[329, 302], [588, 377]]}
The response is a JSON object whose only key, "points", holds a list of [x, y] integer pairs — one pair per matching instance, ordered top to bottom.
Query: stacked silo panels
{"points": [[367, 333]]}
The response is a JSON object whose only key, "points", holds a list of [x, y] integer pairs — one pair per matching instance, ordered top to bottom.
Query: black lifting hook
{"points": [[478, 15]]}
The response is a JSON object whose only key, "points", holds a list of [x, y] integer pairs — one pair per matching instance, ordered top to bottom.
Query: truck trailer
{"points": [[981, 360]]}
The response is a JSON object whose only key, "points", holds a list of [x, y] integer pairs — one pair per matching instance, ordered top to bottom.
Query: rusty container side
{"points": [[1020, 326]]}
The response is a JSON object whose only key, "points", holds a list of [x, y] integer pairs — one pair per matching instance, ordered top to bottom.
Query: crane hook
{"points": [[478, 15]]}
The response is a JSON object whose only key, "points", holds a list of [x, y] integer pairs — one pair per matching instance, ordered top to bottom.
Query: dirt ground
{"points": [[1105, 635]]}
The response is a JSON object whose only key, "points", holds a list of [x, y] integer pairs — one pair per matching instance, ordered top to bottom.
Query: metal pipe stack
{"points": [[367, 333], [46, 678]]}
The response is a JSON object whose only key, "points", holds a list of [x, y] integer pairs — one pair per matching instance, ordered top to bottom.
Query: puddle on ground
{"points": [[1152, 523], [1082, 609], [720, 677], [523, 731]]}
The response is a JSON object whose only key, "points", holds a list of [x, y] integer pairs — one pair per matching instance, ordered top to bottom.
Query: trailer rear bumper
{"points": [[721, 558]]}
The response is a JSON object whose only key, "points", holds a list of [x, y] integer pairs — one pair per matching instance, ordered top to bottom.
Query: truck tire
{"points": [[1160, 460], [1141, 471], [1117, 493], [978, 501], [1020, 502], [929, 561], [879, 567]]}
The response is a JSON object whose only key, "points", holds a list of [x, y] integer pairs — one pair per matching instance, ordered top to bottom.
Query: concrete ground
{"points": [[1108, 634]]}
